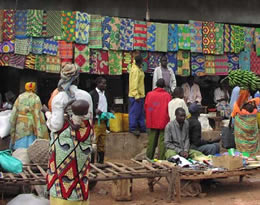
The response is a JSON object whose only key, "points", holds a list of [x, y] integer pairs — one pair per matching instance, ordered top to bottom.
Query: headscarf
{"points": [[68, 74], [30, 86]]}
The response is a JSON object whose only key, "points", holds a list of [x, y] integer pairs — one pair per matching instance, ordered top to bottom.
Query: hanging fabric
{"points": [[34, 22], [20, 23], [54, 23], [1, 24], [44, 24], [8, 25], [69, 25], [82, 27], [95, 32], [106, 32], [219, 32], [115, 33], [126, 34], [140, 35], [151, 35], [184, 36], [196, 36], [173, 37], [209, 38], [227, 38], [249, 38], [237, 39], [161, 40], [257, 41], [37, 45], [23, 46], [50, 46], [7, 47], [65, 50], [145, 56], [81, 57], [5, 58], [244, 60], [17, 61], [30, 61], [127, 61], [154, 61], [172, 61], [233, 61], [40, 62], [115, 62], [102, 63], [183, 63], [255, 63], [53, 64], [197, 64], [221, 64], [210, 65]]}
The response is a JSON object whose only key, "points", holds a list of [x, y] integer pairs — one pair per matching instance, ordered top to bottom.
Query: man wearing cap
{"points": [[196, 141]]}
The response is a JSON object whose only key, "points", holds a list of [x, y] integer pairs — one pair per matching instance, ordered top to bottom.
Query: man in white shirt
{"points": [[166, 73], [191, 91], [100, 105]]}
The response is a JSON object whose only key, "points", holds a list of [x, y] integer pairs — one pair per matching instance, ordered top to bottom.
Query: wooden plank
{"points": [[144, 165], [126, 167], [118, 168], [41, 170], [99, 170], [113, 171], [31, 172]]}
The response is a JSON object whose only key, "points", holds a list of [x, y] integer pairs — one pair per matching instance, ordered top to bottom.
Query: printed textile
{"points": [[1, 23], [20, 23], [34, 23], [54, 23], [44, 24], [8, 25], [69, 25], [82, 27], [106, 31], [95, 32], [219, 32], [115, 33], [126, 34], [140, 35], [151, 35], [184, 36], [196, 36], [172, 37], [209, 38], [227, 38], [249, 38], [237, 39], [161, 40], [257, 41], [37, 45], [23, 46], [50, 46], [7, 47], [65, 50], [81, 57], [5, 58], [183, 59], [154, 60], [244, 60], [17, 61], [30, 61], [127, 61], [172, 61], [233, 61], [40, 62], [101, 62], [115, 62], [255, 63], [53, 64], [197, 64], [221, 64], [145, 65], [210, 65]]}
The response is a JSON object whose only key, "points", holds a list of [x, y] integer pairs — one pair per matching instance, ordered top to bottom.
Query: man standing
{"points": [[166, 73], [191, 91], [136, 97], [100, 105], [156, 110], [176, 137], [206, 147]]}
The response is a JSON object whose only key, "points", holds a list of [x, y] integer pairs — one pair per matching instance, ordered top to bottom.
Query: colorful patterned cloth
{"points": [[20, 23], [34, 23], [54, 23], [1, 24], [44, 24], [9, 25], [69, 25], [82, 27], [106, 31], [95, 32], [219, 32], [115, 33], [126, 34], [140, 35], [151, 35], [184, 36], [196, 36], [172, 37], [209, 38], [227, 38], [249, 38], [237, 39], [161, 40], [257, 41], [37, 45], [23, 46], [50, 46], [7, 47], [65, 50], [81, 57], [5, 58], [183, 59], [244, 60], [17, 61], [30, 61], [93, 61], [127, 61], [153, 61], [172, 61], [233, 61], [40, 62], [115, 62], [102, 63], [254, 63], [53, 64], [197, 64], [221, 64], [145, 65], [210, 65], [74, 162]]}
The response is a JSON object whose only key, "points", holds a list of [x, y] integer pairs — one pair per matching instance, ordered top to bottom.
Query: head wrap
{"points": [[68, 74], [30, 86], [194, 108]]}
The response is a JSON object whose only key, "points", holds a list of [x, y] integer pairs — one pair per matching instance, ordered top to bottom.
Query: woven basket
{"points": [[38, 152]]}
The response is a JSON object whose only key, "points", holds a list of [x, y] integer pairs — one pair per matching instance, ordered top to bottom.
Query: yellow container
{"points": [[258, 119], [125, 122], [116, 125]]}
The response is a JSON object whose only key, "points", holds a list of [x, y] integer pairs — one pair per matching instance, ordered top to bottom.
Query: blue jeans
{"points": [[136, 114], [209, 149]]}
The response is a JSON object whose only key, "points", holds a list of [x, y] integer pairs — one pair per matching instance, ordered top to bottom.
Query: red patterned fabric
{"points": [[9, 25], [140, 35], [208, 39], [5, 58], [102, 63], [255, 63], [221, 65]]}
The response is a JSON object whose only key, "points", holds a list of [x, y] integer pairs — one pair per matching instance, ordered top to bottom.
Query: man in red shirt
{"points": [[156, 111]]}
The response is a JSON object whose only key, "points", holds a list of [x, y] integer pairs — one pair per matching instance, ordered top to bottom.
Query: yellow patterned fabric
{"points": [[30, 86], [27, 118], [57, 201]]}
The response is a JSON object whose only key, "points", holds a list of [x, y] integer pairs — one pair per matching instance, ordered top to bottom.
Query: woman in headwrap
{"points": [[27, 120], [71, 189]]}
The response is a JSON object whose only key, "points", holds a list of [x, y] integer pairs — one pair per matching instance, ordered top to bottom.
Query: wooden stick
{"points": [[144, 165], [41, 170], [99, 170], [30, 171]]}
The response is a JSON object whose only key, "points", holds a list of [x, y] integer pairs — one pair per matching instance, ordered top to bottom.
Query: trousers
{"points": [[155, 136]]}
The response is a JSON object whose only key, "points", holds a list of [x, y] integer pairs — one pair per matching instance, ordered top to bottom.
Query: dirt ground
{"points": [[226, 191]]}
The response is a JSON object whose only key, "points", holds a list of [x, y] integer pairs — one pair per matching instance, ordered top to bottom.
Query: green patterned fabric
{"points": [[34, 23], [54, 23], [69, 25], [95, 32], [219, 32], [115, 33], [184, 36], [161, 39], [237, 39], [23, 46], [40, 62], [115, 62], [183, 63], [210, 65], [192, 153]]}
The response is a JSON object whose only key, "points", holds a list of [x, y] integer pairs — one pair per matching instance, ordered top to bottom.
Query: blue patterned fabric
{"points": [[20, 23], [82, 27], [106, 31], [126, 34], [151, 34], [173, 37], [37, 45], [50, 46], [244, 60], [172, 61], [233, 61], [197, 64]]}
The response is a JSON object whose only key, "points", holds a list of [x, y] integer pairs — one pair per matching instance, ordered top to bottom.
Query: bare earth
{"points": [[227, 192]]}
